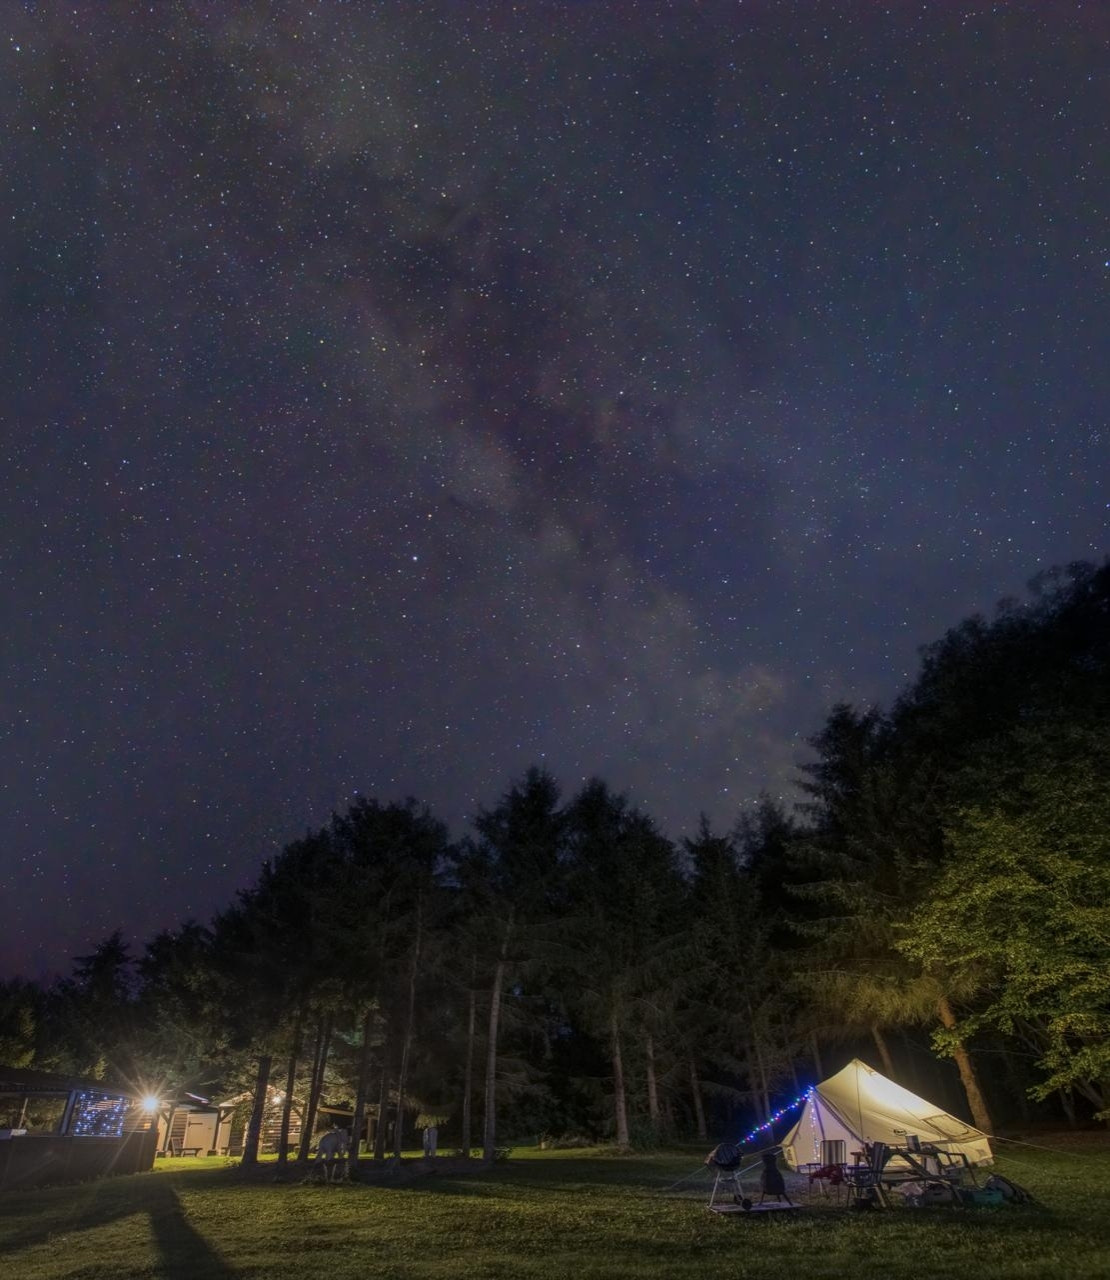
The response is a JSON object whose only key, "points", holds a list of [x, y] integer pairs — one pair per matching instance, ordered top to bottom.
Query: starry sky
{"points": [[396, 395]]}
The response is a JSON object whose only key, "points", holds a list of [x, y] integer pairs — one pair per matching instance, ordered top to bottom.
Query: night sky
{"points": [[396, 395]]}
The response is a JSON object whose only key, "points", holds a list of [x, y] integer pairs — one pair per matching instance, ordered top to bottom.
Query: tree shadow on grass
{"points": [[183, 1253]]}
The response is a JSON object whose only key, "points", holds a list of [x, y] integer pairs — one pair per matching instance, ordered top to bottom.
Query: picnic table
{"points": [[885, 1167]]}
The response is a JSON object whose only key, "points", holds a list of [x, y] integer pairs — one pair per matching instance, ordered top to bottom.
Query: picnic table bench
{"points": [[885, 1167]]}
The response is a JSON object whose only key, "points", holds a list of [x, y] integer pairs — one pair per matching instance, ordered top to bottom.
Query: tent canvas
{"points": [[860, 1105]]}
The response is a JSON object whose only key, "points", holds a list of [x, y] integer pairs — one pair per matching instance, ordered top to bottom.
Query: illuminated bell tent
{"points": [[859, 1105]]}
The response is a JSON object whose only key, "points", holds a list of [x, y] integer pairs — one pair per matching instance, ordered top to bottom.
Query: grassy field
{"points": [[544, 1216]]}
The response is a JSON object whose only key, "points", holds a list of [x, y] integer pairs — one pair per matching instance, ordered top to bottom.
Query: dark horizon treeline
{"points": [[566, 969]]}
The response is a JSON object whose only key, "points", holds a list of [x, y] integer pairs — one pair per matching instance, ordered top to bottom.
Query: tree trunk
{"points": [[406, 1043], [884, 1050], [815, 1051], [761, 1066], [468, 1067], [759, 1079], [290, 1084], [652, 1085], [316, 1088], [361, 1088], [1086, 1090], [383, 1097], [309, 1107], [620, 1107], [699, 1109], [258, 1110], [980, 1116], [489, 1135]]}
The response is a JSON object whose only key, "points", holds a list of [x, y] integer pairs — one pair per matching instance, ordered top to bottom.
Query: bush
{"points": [[642, 1137], [563, 1141]]}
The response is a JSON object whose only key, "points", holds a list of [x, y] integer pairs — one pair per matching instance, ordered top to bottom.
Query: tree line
{"points": [[565, 968]]}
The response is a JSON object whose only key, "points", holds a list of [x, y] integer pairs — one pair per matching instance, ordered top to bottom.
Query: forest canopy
{"points": [[566, 969]]}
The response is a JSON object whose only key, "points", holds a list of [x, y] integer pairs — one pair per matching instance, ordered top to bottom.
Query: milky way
{"points": [[399, 395]]}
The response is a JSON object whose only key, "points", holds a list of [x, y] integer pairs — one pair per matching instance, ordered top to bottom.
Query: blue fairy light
{"points": [[778, 1115], [98, 1116]]}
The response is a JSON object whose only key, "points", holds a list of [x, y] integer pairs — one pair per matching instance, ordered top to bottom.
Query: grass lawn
{"points": [[552, 1215]]}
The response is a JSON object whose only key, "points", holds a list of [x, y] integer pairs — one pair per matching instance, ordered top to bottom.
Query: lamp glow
{"points": [[150, 1104]]}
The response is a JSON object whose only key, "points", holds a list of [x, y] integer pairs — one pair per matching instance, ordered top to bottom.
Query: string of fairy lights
{"points": [[98, 1116], [768, 1125], [815, 1132]]}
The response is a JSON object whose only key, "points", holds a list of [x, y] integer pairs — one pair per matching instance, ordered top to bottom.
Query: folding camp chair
{"points": [[828, 1171], [864, 1180]]}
